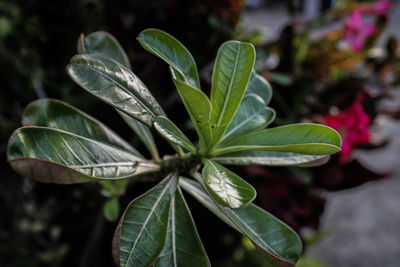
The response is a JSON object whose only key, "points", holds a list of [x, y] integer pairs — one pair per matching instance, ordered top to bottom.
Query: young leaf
{"points": [[104, 44], [172, 52], [230, 77], [116, 85], [259, 86], [199, 108], [60, 115], [252, 115], [143, 132], [172, 133], [302, 138], [53, 156], [270, 158], [226, 187], [111, 209], [142, 231], [280, 245], [183, 246]]}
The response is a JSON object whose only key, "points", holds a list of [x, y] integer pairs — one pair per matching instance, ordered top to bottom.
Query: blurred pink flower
{"points": [[380, 8], [356, 31], [352, 124]]}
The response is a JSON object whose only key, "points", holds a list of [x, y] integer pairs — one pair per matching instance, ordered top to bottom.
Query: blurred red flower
{"points": [[352, 124]]}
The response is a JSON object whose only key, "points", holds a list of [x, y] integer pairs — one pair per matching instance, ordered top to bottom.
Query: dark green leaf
{"points": [[104, 44], [172, 52], [231, 74], [116, 85], [259, 86], [199, 108], [57, 114], [252, 115], [172, 133], [302, 138], [55, 156], [270, 158], [226, 187], [111, 209], [143, 228], [280, 245], [183, 246]]}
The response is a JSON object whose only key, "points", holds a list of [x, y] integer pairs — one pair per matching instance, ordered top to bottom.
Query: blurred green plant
{"points": [[61, 144]]}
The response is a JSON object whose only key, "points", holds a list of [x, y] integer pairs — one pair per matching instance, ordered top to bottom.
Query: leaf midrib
{"points": [[104, 75], [227, 96], [148, 217]]}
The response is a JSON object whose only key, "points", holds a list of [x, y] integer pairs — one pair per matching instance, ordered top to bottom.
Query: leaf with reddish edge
{"points": [[142, 231], [280, 245]]}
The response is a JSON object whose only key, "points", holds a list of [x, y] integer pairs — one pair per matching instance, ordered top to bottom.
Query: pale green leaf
{"points": [[259, 86], [111, 209]]}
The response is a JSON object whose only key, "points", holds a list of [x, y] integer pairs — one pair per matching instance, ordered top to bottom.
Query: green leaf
{"points": [[104, 44], [172, 52], [231, 74], [116, 85], [259, 86], [199, 108], [60, 115], [252, 115], [143, 132], [172, 133], [302, 138], [54, 156], [270, 158], [226, 187], [111, 209], [142, 230], [280, 245], [183, 246]]}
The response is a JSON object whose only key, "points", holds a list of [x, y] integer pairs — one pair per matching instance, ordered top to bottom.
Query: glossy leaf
{"points": [[104, 44], [172, 52], [231, 74], [116, 85], [259, 86], [199, 108], [60, 115], [252, 115], [143, 132], [172, 133], [302, 138], [55, 156], [270, 158], [226, 187], [111, 209], [143, 228], [280, 245], [183, 246]]}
